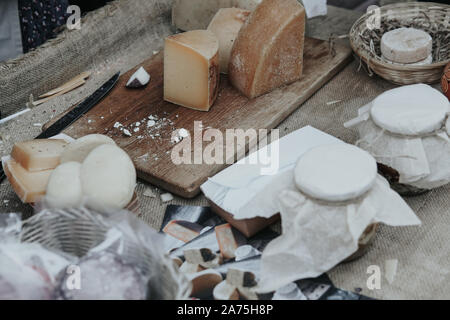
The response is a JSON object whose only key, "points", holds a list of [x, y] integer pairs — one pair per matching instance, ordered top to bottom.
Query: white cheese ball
{"points": [[80, 148], [108, 178], [64, 186]]}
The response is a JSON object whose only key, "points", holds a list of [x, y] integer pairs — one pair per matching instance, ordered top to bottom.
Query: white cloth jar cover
{"points": [[407, 129], [317, 232]]}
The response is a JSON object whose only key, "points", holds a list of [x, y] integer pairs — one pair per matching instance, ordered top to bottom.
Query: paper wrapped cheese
{"points": [[197, 14], [268, 51], [191, 69], [405, 130], [243, 191], [337, 196]]}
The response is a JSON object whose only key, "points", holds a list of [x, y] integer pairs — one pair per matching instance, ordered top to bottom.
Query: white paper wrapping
{"points": [[421, 161], [243, 191], [317, 236]]}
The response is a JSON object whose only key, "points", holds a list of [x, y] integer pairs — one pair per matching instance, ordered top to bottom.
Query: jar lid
{"points": [[410, 110], [336, 172]]}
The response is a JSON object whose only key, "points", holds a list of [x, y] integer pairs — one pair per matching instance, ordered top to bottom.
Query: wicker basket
{"points": [[433, 18], [76, 231]]}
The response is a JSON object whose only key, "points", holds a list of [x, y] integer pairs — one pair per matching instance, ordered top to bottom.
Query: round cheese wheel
{"points": [[406, 45], [428, 60], [410, 110], [80, 148], [336, 172], [108, 178], [64, 186]]}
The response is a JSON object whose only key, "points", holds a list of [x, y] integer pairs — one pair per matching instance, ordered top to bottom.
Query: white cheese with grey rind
{"points": [[197, 14], [406, 45]]}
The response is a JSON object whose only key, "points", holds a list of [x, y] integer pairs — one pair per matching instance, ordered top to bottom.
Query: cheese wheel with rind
{"points": [[197, 14], [268, 52], [29, 186]]}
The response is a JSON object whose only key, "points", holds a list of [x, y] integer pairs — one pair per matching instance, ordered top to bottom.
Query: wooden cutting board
{"points": [[150, 148]]}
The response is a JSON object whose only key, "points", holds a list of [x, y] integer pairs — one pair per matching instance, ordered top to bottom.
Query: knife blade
{"points": [[75, 113]]}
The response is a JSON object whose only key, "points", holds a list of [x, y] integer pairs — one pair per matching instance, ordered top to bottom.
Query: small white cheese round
{"points": [[406, 45], [410, 110], [80, 148], [336, 172], [108, 178], [64, 186]]}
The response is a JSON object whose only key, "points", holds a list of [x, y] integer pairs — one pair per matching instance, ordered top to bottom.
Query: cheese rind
{"points": [[197, 14], [226, 25], [406, 45], [268, 51], [191, 69], [38, 155], [29, 186]]}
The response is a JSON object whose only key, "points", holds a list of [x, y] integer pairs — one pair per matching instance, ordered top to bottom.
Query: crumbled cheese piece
{"points": [[126, 132], [149, 193], [166, 197]]}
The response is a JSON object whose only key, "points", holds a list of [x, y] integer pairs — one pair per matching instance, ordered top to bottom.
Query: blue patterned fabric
{"points": [[39, 19]]}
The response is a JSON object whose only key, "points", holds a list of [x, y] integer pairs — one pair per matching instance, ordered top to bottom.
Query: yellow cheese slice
{"points": [[38, 155], [29, 186]]}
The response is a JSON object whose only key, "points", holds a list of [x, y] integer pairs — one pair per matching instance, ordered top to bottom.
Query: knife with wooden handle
{"points": [[76, 113]]}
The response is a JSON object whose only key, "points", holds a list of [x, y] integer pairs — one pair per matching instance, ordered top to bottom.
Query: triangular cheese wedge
{"points": [[268, 51], [191, 69]]}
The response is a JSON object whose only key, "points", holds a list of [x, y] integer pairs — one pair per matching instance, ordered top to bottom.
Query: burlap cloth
{"points": [[120, 36]]}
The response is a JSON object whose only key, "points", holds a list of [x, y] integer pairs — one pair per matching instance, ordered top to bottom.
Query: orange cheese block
{"points": [[226, 25], [268, 51], [191, 69], [37, 155], [29, 186], [183, 230], [229, 239]]}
